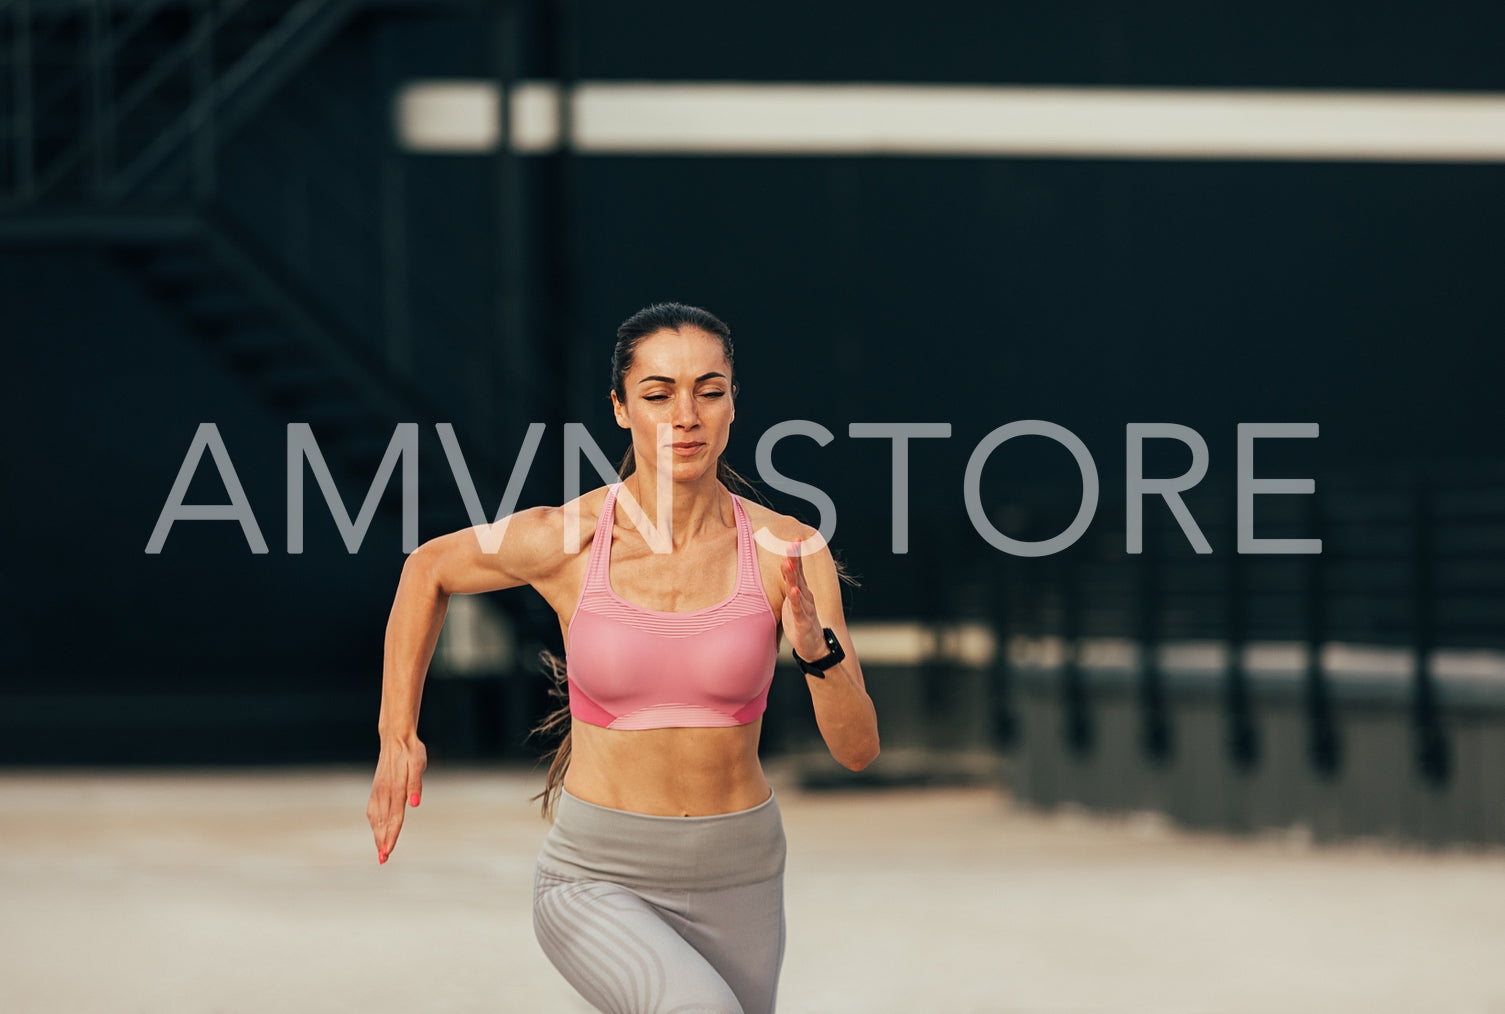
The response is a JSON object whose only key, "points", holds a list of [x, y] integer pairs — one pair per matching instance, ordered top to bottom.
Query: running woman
{"points": [[660, 885]]}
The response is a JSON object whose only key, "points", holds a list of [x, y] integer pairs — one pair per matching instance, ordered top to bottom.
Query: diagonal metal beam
{"points": [[244, 87], [275, 287]]}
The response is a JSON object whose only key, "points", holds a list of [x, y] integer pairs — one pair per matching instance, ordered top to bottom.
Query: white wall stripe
{"points": [[453, 117], [740, 118], [972, 643]]}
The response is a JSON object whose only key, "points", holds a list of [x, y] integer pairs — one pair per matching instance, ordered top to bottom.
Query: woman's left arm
{"points": [[843, 711]]}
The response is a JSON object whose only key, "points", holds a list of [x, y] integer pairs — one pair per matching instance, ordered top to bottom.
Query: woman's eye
{"points": [[703, 394]]}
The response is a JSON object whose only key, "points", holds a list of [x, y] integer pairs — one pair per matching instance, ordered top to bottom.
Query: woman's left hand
{"points": [[801, 623]]}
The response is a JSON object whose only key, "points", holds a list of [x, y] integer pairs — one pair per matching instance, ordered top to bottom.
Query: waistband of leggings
{"points": [[661, 851]]}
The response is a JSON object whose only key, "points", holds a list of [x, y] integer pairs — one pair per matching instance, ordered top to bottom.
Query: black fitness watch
{"points": [[820, 665]]}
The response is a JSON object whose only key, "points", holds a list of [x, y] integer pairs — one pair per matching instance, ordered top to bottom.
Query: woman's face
{"points": [[679, 387]]}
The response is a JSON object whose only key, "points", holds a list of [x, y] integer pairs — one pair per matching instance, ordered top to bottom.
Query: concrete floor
{"points": [[225, 892]]}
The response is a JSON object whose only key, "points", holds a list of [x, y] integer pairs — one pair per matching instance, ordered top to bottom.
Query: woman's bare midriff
{"points": [[679, 772]]}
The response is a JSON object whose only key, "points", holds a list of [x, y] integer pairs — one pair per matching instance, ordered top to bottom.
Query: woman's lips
{"points": [[686, 448]]}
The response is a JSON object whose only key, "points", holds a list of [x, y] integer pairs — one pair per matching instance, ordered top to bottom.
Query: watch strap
{"points": [[817, 667]]}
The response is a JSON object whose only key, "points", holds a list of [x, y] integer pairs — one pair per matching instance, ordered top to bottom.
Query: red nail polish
{"points": [[413, 799]]}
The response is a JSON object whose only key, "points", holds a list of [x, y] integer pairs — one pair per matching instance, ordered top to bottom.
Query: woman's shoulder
{"points": [[580, 516], [781, 526], [546, 529]]}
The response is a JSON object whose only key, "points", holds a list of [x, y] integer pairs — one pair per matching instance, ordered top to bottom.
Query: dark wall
{"points": [[1280, 44], [1091, 293], [111, 400]]}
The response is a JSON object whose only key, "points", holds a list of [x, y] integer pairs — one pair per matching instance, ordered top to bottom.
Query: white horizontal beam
{"points": [[854, 119], [973, 643]]}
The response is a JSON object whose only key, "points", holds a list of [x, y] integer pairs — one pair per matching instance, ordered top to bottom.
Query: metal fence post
{"points": [[101, 97], [202, 121], [25, 144], [1075, 704], [1004, 723], [1154, 729], [1243, 738], [1323, 745], [1431, 746]]}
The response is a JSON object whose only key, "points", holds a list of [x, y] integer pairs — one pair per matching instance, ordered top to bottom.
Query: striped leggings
{"points": [[651, 914]]}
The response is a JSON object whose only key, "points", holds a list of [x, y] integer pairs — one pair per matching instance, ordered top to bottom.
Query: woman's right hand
{"points": [[398, 785]]}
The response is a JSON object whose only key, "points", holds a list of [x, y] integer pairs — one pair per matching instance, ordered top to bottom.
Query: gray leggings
{"points": [[651, 914]]}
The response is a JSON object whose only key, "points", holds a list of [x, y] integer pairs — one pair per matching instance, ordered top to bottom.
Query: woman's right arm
{"points": [[529, 548]]}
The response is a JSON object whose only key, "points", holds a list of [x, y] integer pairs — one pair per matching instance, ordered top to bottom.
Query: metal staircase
{"points": [[115, 100], [113, 116]]}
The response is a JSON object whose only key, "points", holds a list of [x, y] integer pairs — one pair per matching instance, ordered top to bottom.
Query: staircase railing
{"points": [[129, 64], [83, 126]]}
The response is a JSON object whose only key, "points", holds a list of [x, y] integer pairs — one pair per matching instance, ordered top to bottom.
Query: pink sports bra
{"points": [[634, 668]]}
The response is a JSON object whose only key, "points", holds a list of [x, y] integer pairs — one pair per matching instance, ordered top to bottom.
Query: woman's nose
{"points": [[684, 411]]}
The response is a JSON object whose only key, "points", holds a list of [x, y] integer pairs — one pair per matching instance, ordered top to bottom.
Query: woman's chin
{"points": [[690, 469]]}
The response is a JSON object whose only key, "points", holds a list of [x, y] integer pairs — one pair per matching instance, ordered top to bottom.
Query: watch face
{"points": [[837, 653]]}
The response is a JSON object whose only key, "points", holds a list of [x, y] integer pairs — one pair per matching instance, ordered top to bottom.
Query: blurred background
{"points": [[220, 218]]}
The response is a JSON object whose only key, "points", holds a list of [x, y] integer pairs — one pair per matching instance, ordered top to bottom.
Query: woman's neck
{"points": [[696, 504]]}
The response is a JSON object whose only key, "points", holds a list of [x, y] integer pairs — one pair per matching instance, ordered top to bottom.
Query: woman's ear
{"points": [[620, 411]]}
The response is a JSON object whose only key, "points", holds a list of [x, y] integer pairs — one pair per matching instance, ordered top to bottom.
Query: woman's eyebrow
{"points": [[670, 380]]}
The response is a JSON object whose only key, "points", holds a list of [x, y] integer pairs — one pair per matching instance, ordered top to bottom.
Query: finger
{"points": [[793, 550], [792, 568], [799, 577], [795, 578], [795, 589], [805, 604], [415, 785], [396, 812], [378, 819], [389, 835], [383, 836]]}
